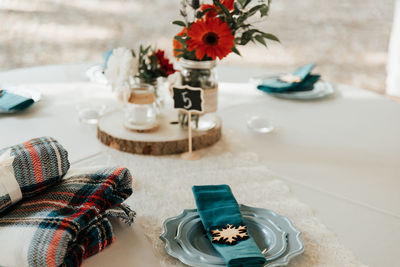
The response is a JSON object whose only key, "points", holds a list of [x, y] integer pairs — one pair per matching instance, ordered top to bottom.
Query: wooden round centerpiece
{"points": [[167, 138]]}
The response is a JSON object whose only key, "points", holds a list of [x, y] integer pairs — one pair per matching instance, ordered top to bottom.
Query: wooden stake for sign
{"points": [[189, 99], [190, 132], [190, 155]]}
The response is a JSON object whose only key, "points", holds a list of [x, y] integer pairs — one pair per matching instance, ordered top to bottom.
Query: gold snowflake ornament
{"points": [[290, 78], [230, 234]]}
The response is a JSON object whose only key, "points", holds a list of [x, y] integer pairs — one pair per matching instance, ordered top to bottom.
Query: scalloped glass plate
{"points": [[192, 237], [185, 238]]}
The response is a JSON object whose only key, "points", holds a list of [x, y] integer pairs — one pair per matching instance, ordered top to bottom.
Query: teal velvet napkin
{"points": [[275, 85], [11, 102], [217, 208]]}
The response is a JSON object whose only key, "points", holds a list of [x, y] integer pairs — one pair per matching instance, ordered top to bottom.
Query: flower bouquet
{"points": [[211, 31], [153, 64], [124, 68], [134, 79]]}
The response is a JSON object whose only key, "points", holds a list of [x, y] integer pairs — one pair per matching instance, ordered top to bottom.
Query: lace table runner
{"points": [[162, 189]]}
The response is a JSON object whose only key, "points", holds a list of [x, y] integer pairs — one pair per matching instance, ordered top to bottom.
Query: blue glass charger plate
{"points": [[185, 238]]}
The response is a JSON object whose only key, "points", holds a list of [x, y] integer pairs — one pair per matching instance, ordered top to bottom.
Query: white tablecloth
{"points": [[339, 155]]}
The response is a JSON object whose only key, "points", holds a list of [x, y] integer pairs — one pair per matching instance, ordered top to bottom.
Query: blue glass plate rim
{"points": [[186, 225], [295, 245]]}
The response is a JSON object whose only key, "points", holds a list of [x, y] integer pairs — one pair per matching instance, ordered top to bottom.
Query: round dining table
{"points": [[340, 155]]}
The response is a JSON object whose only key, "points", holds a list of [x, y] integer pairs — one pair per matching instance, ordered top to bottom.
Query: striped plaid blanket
{"points": [[29, 168], [67, 222]]}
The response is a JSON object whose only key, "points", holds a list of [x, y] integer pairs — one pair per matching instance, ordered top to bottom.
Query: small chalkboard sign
{"points": [[188, 98]]}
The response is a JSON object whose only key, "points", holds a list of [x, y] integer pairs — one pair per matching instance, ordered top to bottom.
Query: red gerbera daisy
{"points": [[215, 10], [211, 37]]}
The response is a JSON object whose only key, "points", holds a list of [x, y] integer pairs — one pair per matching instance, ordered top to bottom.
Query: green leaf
{"points": [[241, 2], [244, 3], [237, 7], [254, 10], [264, 11], [251, 12], [183, 13], [200, 14], [228, 15], [241, 19], [179, 23], [246, 37], [270, 37], [181, 39], [261, 40], [245, 41], [146, 50], [236, 51]]}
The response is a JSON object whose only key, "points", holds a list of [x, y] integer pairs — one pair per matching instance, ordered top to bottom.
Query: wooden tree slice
{"points": [[166, 139]]}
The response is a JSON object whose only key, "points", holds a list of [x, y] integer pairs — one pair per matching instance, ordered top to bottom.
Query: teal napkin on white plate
{"points": [[307, 81], [11, 102]]}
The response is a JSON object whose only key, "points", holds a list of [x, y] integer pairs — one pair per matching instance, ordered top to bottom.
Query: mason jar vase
{"points": [[203, 75]]}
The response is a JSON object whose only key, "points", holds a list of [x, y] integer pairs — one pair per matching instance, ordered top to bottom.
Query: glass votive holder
{"points": [[140, 110], [90, 112]]}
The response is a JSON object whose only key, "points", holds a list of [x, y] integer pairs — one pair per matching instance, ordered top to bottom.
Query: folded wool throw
{"points": [[29, 168], [66, 223]]}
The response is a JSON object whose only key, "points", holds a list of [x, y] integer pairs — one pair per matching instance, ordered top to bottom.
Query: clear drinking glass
{"points": [[140, 110]]}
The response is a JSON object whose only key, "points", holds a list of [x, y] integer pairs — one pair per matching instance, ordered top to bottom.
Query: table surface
{"points": [[339, 155]]}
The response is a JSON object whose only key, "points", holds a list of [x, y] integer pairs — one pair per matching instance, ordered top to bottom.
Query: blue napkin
{"points": [[277, 86], [11, 102], [217, 208]]}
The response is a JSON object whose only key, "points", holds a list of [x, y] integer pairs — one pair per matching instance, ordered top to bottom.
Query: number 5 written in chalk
{"points": [[186, 101]]}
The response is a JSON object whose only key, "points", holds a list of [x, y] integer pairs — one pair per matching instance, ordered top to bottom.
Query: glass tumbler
{"points": [[140, 110]]}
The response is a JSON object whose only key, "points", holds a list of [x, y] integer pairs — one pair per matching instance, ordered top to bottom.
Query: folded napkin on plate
{"points": [[305, 81], [10, 101], [29, 168], [218, 209], [68, 222]]}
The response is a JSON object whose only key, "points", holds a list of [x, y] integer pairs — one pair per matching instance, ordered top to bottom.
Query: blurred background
{"points": [[348, 39]]}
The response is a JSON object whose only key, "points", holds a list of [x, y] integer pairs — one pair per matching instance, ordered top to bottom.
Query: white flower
{"points": [[121, 66], [175, 78]]}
